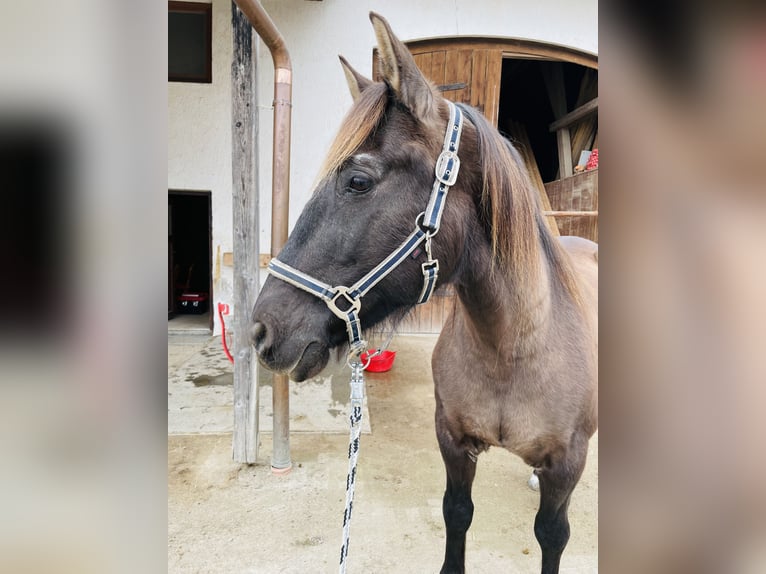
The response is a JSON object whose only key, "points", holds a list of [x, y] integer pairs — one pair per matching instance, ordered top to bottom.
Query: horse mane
{"points": [[360, 123], [512, 214]]}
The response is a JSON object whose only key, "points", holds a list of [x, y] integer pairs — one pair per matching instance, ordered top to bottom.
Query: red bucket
{"points": [[379, 363]]}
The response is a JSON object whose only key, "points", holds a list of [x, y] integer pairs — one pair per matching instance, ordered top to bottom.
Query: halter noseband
{"points": [[447, 166]]}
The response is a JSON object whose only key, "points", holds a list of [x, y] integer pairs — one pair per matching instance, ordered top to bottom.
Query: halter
{"points": [[427, 226]]}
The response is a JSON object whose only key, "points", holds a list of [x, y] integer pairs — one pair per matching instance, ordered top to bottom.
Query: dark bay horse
{"points": [[515, 365]]}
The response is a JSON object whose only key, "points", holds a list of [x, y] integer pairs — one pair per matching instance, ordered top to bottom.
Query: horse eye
{"points": [[359, 183]]}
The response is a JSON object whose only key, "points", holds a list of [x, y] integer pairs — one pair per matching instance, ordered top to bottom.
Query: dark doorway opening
{"points": [[526, 112], [190, 259]]}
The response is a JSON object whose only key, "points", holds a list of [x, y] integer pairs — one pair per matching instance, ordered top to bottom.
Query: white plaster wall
{"points": [[316, 32], [199, 144]]}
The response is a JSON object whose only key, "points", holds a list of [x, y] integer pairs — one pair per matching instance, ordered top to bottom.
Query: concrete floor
{"points": [[189, 324], [230, 518]]}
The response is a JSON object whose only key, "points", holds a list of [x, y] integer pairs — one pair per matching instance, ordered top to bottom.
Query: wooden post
{"points": [[553, 74], [564, 145], [280, 193], [245, 207]]}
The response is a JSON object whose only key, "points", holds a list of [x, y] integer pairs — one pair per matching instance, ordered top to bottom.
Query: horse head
{"points": [[375, 184]]}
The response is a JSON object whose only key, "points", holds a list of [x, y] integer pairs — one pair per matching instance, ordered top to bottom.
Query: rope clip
{"points": [[357, 383]]}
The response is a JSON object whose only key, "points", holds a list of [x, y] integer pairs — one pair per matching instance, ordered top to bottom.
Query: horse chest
{"points": [[490, 405]]}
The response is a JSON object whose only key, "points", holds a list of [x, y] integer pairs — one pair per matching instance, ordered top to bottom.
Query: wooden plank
{"points": [[513, 47], [423, 61], [438, 67], [451, 67], [464, 74], [553, 75], [479, 80], [492, 93], [577, 114], [564, 146], [579, 195], [594, 202], [571, 213], [245, 220], [579, 224], [425, 313], [437, 313], [429, 318]]}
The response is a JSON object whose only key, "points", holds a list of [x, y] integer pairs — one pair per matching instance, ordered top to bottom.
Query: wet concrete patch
{"points": [[224, 380]]}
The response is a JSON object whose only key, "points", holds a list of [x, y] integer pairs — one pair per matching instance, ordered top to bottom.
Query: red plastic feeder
{"points": [[379, 363]]}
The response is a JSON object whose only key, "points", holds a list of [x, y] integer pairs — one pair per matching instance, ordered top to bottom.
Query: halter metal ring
{"points": [[419, 223], [354, 304]]}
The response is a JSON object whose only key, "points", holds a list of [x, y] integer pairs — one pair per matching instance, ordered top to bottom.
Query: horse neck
{"points": [[505, 310]]}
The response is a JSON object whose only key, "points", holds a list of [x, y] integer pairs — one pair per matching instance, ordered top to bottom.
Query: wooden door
{"points": [[464, 72], [467, 72]]}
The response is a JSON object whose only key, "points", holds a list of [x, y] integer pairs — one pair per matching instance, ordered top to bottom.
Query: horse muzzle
{"points": [[299, 356]]}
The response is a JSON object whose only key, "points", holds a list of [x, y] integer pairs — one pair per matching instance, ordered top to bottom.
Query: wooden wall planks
{"points": [[576, 193]]}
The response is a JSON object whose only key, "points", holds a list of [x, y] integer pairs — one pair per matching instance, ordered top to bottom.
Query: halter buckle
{"points": [[447, 167], [355, 305]]}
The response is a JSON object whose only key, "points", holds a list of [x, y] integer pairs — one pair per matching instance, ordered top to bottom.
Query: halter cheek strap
{"points": [[346, 302]]}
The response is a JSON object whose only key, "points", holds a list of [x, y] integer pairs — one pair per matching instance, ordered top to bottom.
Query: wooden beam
{"points": [[553, 74], [577, 114], [565, 153], [245, 213], [571, 213]]}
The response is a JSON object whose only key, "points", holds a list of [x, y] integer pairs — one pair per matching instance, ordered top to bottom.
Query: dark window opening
{"points": [[190, 42]]}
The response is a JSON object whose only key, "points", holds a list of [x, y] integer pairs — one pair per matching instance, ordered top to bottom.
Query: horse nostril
{"points": [[258, 335]]}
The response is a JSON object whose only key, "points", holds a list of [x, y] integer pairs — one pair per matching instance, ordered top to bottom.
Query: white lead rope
{"points": [[357, 399]]}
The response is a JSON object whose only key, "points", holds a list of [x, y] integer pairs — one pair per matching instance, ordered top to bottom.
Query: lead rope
{"points": [[357, 398]]}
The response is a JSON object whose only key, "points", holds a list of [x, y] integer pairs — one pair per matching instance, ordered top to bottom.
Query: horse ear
{"points": [[400, 72], [356, 81]]}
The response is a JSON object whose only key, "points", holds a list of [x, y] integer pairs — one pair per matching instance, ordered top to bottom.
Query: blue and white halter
{"points": [[426, 227]]}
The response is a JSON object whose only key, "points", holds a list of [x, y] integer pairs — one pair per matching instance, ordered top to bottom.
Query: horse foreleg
{"points": [[557, 481], [457, 505]]}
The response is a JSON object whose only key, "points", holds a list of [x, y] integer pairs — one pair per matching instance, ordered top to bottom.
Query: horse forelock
{"points": [[360, 123], [512, 212]]}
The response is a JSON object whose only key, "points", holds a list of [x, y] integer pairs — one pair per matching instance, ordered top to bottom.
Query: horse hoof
{"points": [[534, 482]]}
